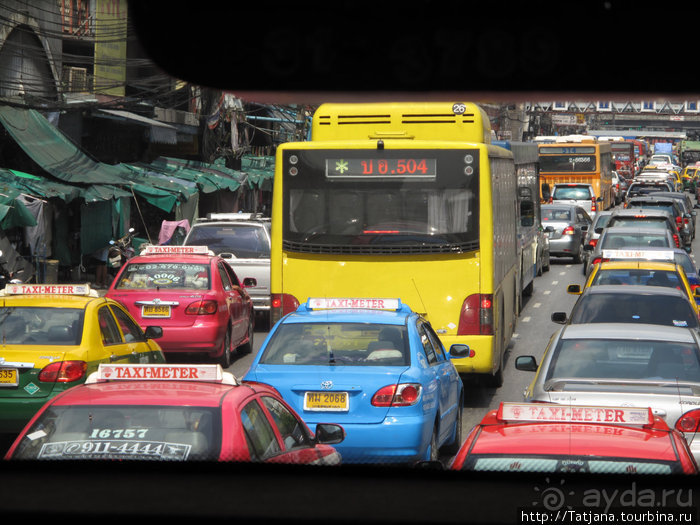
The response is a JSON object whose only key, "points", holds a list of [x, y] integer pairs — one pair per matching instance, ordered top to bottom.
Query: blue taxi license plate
{"points": [[326, 401]]}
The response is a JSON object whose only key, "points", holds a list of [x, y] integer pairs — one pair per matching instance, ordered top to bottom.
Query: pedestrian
{"points": [[100, 258]]}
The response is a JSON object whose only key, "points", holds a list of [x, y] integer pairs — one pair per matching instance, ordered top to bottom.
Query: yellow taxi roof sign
{"points": [[49, 289]]}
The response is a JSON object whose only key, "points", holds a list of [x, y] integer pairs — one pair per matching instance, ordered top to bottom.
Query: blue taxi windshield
{"points": [[41, 325], [339, 344]]}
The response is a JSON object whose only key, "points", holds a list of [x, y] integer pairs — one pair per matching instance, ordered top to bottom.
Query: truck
{"points": [[243, 240]]}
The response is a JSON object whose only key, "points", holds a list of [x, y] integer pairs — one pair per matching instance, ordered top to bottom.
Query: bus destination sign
{"points": [[376, 167]]}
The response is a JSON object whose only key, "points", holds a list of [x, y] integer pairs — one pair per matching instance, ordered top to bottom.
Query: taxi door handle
{"points": [[114, 357], [658, 412]]}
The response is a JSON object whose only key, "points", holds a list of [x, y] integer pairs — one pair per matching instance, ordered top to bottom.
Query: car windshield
{"points": [[573, 192], [556, 214], [245, 242], [158, 275], [621, 307], [41, 325], [339, 344], [624, 359], [123, 432], [562, 463]]}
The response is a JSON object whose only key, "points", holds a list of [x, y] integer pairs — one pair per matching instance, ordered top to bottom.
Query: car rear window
{"points": [[573, 192], [556, 214], [615, 241], [245, 242], [163, 275], [665, 278], [620, 307], [41, 325], [339, 344], [624, 359], [124, 432], [568, 463]]}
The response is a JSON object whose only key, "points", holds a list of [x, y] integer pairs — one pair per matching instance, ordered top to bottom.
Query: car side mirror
{"points": [[599, 199], [584, 228], [549, 229], [588, 247], [250, 282], [574, 289], [559, 317], [153, 332], [459, 350], [526, 363], [329, 434]]}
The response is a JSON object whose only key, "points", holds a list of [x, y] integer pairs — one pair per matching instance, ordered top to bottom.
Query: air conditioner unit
{"points": [[75, 79]]}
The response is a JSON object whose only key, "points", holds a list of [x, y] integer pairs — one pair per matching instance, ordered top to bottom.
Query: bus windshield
{"points": [[373, 199]]}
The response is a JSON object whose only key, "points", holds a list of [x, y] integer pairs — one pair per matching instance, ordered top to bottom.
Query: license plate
{"points": [[155, 310], [8, 377], [326, 401]]}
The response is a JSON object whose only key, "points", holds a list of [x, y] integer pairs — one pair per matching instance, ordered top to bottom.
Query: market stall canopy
{"points": [[54, 152], [209, 177], [13, 212]]}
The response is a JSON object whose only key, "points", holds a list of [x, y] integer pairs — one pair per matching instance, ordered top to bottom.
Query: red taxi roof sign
{"points": [[176, 250], [666, 255], [46, 289], [371, 303], [161, 372], [554, 413]]}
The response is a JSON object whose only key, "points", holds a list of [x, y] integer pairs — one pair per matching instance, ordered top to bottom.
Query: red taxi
{"points": [[194, 295], [173, 412], [550, 438]]}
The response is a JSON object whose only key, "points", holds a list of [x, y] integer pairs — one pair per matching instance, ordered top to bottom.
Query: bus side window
{"points": [[527, 213]]}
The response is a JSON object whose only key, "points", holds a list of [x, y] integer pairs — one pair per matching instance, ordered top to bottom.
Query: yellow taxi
{"points": [[639, 267], [53, 336]]}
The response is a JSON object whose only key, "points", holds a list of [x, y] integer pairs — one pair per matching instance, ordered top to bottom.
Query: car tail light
{"points": [[593, 204], [679, 221], [569, 230], [676, 240], [593, 242], [596, 260], [280, 305], [202, 307], [476, 317], [63, 371], [401, 395], [689, 421]]}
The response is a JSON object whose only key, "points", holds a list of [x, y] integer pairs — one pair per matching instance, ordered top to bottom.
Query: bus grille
{"points": [[379, 249]]}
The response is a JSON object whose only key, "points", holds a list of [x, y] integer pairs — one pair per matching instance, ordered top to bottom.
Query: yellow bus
{"points": [[579, 159], [407, 200]]}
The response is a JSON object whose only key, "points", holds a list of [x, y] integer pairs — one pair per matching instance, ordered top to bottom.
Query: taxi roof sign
{"points": [[153, 249], [665, 255], [49, 289], [366, 303], [161, 372], [554, 413]]}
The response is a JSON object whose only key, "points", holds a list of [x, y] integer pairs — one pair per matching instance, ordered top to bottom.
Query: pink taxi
{"points": [[194, 295], [171, 412], [552, 438]]}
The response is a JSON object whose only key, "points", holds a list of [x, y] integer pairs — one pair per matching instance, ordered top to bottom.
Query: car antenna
{"points": [[425, 310]]}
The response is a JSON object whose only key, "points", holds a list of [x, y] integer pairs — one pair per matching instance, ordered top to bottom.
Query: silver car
{"points": [[577, 194], [600, 221], [566, 225], [628, 237], [620, 364]]}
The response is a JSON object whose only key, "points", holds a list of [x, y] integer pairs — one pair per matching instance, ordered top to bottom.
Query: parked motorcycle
{"points": [[121, 250], [8, 277]]}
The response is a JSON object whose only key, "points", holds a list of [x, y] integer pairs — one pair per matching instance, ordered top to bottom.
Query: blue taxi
{"points": [[373, 366]]}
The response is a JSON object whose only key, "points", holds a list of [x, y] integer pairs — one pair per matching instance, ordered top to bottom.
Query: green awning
{"points": [[57, 155], [260, 170], [209, 177], [39, 186]]}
